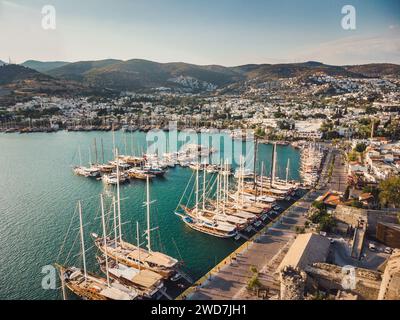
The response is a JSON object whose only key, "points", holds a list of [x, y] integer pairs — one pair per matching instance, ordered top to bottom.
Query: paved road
{"points": [[338, 180], [231, 281]]}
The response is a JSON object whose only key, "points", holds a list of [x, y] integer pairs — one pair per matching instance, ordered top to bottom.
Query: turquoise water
{"points": [[38, 197]]}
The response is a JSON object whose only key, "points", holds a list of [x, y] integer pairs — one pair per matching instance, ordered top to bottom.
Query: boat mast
{"points": [[113, 140], [95, 150], [102, 150], [90, 156], [275, 160], [273, 164], [287, 170], [262, 178], [241, 179], [226, 181], [218, 187], [204, 188], [197, 189], [118, 200], [148, 213], [115, 222], [104, 237], [82, 239], [138, 241], [64, 294]]}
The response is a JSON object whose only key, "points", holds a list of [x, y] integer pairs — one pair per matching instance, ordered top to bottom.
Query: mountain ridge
{"points": [[43, 66], [141, 74]]}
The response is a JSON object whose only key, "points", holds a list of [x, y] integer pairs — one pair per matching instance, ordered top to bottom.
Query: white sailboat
{"points": [[201, 221], [134, 256], [90, 286]]}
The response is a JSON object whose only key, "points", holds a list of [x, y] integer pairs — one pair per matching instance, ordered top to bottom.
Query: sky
{"points": [[224, 32]]}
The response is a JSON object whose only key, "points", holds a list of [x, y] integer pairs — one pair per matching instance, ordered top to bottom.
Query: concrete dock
{"points": [[228, 280]]}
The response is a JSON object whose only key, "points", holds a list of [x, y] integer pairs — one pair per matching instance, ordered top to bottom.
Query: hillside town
{"points": [[315, 108], [341, 240]]}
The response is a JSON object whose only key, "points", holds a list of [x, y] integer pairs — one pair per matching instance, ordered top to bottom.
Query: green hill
{"points": [[43, 66], [376, 69], [77, 70], [11, 73], [137, 74]]}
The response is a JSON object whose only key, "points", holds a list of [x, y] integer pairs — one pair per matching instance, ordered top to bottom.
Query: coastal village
{"points": [[333, 235]]}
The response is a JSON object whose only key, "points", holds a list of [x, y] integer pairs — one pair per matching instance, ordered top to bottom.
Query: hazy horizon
{"points": [[223, 32], [186, 62]]}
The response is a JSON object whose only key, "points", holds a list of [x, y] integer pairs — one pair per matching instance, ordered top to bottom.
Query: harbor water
{"points": [[38, 205]]}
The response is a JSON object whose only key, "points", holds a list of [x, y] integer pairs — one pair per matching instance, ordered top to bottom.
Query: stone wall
{"points": [[350, 215], [376, 216], [330, 278], [292, 283], [390, 288]]}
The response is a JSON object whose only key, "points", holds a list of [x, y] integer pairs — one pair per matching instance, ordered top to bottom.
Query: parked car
{"points": [[372, 247], [388, 250]]}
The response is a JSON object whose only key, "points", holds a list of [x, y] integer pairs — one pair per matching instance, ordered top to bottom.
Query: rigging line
{"points": [[73, 158], [210, 189], [184, 192], [191, 193], [66, 235], [161, 245], [72, 247], [177, 249], [87, 250]]}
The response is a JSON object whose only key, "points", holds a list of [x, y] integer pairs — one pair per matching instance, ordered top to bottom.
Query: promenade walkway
{"points": [[229, 279]]}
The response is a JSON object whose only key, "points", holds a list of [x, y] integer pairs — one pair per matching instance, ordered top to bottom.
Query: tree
{"points": [[370, 110], [360, 147], [390, 192], [346, 194], [356, 204], [319, 205], [327, 223], [254, 282]]}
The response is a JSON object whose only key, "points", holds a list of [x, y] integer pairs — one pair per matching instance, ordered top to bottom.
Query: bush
{"points": [[360, 147], [390, 190], [346, 194], [356, 204], [319, 205], [327, 224], [300, 230], [253, 269]]}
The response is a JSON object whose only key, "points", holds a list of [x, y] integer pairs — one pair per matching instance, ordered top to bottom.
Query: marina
{"points": [[45, 161]]}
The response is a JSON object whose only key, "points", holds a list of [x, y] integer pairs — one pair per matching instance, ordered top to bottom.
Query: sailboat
{"points": [[91, 171], [117, 177], [203, 221], [133, 255], [146, 282], [88, 285]]}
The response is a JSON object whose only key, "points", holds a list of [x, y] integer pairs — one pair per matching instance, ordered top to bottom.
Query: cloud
{"points": [[357, 50]]}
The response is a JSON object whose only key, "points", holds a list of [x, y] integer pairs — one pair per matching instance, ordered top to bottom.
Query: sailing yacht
{"points": [[91, 172], [206, 221], [133, 255], [147, 282], [90, 286]]}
